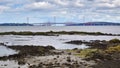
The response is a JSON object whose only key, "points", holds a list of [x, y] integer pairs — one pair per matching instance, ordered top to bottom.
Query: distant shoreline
{"points": [[63, 23], [53, 33]]}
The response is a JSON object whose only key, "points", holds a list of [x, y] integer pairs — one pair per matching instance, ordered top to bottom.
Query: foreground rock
{"points": [[99, 44], [27, 51], [102, 54], [44, 57], [104, 58], [58, 61]]}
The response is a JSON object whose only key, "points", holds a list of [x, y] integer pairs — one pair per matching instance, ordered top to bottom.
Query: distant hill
{"points": [[15, 24], [66, 24], [94, 24]]}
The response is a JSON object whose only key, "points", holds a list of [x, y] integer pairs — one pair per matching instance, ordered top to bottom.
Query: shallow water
{"points": [[104, 29], [57, 41], [4, 51], [11, 64]]}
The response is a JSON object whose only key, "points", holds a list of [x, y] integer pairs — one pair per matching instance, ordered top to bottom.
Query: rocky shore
{"points": [[99, 44], [26, 51], [101, 54], [106, 54], [45, 57]]}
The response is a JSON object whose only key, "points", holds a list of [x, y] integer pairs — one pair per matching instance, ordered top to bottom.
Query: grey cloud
{"points": [[75, 7]]}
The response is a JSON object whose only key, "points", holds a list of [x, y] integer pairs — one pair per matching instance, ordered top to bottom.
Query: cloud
{"points": [[5, 1], [62, 2], [78, 3], [109, 3], [116, 3], [39, 5], [106, 5], [4, 8], [63, 8]]}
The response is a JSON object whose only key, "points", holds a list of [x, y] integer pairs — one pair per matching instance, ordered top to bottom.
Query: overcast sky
{"points": [[17, 11]]}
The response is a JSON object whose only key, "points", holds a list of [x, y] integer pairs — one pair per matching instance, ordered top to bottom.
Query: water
{"points": [[104, 29], [57, 41], [4, 51]]}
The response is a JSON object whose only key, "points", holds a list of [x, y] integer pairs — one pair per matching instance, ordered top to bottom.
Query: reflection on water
{"points": [[4, 51]]}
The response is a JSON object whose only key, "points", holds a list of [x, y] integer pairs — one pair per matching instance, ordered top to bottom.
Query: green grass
{"points": [[114, 41], [113, 49], [86, 53]]}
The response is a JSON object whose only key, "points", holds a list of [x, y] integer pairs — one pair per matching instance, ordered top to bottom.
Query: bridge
{"points": [[48, 24], [63, 24], [79, 24]]}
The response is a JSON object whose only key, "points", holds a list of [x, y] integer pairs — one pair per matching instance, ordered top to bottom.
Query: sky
{"points": [[39, 11]]}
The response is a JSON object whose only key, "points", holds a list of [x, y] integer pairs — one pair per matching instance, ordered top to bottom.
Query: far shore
{"points": [[53, 33]]}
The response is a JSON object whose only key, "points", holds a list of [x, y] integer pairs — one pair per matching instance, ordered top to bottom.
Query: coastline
{"points": [[53, 33], [48, 56]]}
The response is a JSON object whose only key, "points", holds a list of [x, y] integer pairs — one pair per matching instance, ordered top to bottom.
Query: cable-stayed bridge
{"points": [[62, 24], [79, 24]]}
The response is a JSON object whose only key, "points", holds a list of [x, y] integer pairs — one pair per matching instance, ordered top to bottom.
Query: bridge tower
{"points": [[27, 20], [54, 20]]}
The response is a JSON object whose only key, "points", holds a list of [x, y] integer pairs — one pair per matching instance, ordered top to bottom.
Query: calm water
{"points": [[104, 29], [57, 41], [4, 51]]}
